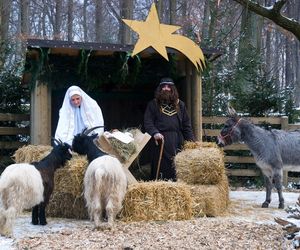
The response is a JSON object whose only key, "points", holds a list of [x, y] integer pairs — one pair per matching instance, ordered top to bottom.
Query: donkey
{"points": [[273, 150]]}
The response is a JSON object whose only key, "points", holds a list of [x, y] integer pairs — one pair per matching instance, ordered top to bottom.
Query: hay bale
{"points": [[198, 144], [30, 153], [203, 164], [69, 179], [67, 198], [210, 200], [146, 201], [66, 205]]}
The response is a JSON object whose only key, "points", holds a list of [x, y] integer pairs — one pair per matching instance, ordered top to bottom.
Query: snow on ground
{"points": [[245, 206]]}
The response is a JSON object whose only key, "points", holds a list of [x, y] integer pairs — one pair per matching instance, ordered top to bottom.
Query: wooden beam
{"points": [[188, 87], [41, 115], [196, 115], [14, 117], [255, 120], [14, 131], [11, 144], [239, 159], [243, 172]]}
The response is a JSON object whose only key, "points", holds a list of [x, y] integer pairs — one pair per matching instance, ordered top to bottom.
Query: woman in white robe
{"points": [[78, 111]]}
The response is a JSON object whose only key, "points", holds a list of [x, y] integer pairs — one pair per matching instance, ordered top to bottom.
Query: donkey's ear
{"points": [[231, 112]]}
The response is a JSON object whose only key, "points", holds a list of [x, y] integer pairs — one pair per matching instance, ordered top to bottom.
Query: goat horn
{"points": [[87, 131], [58, 141]]}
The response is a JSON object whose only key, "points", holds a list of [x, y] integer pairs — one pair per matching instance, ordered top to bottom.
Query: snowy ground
{"points": [[245, 207]]}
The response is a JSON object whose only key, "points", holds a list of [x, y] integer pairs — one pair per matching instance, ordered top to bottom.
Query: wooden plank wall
{"points": [[212, 127]]}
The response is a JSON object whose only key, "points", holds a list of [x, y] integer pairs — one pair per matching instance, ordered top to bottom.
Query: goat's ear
{"points": [[231, 112]]}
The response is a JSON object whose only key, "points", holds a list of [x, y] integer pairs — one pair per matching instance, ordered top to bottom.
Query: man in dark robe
{"points": [[166, 120]]}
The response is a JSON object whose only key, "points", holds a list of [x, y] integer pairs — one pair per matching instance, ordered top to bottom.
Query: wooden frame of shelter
{"points": [[41, 92]]}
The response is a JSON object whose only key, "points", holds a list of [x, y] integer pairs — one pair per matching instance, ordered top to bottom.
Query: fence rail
{"points": [[214, 123], [6, 132], [212, 133]]}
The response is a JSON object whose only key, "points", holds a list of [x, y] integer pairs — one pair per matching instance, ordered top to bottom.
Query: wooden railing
{"points": [[7, 131], [230, 157]]}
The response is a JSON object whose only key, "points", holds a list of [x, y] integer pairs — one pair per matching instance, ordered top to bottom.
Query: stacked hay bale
{"points": [[201, 166], [66, 200], [157, 201]]}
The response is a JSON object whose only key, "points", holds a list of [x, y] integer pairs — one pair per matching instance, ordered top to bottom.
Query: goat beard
{"points": [[166, 97]]}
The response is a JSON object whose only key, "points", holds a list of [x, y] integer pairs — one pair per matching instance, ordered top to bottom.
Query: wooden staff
{"points": [[160, 156]]}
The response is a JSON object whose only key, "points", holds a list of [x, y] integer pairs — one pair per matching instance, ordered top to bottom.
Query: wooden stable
{"points": [[41, 96]]}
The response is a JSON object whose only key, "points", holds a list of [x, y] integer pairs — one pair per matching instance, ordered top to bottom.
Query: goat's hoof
{"points": [[265, 204], [281, 206], [35, 222], [43, 223]]}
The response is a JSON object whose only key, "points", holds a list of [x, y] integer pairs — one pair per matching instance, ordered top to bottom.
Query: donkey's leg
{"points": [[268, 185], [278, 185]]}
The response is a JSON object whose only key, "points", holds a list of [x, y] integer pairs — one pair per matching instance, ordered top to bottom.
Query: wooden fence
{"points": [[212, 127], [6, 143]]}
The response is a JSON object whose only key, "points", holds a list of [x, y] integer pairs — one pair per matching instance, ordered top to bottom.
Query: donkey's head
{"points": [[230, 133]]}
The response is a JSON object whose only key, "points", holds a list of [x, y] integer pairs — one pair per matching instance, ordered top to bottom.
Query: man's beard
{"points": [[166, 97]]}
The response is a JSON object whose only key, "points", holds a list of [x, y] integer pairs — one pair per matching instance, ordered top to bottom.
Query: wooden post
{"points": [[188, 90], [196, 97], [40, 118], [284, 126]]}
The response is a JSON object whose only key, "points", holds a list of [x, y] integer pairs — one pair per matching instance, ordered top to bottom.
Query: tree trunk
{"points": [[173, 4], [160, 9], [126, 12], [4, 14], [25, 18], [70, 19], [58, 20], [99, 20], [84, 24], [288, 55]]}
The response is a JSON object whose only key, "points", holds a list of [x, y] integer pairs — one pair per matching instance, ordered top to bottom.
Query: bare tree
{"points": [[5, 9], [126, 12], [274, 14], [25, 17], [58, 19], [70, 19], [99, 19], [84, 21]]}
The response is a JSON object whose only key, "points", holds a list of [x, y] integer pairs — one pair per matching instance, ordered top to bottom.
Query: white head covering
{"points": [[90, 111]]}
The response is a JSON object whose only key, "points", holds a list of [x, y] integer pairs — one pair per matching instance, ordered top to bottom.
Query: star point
{"points": [[160, 36]]}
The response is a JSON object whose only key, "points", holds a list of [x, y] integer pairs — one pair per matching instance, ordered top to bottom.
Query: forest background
{"points": [[258, 72]]}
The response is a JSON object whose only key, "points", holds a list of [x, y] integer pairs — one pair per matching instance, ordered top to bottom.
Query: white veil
{"points": [[90, 112]]}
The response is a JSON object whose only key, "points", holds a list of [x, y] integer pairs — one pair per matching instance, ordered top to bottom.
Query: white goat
{"points": [[105, 181], [24, 186], [21, 187]]}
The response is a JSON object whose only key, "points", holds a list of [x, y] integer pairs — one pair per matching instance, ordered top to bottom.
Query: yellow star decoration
{"points": [[159, 36]]}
